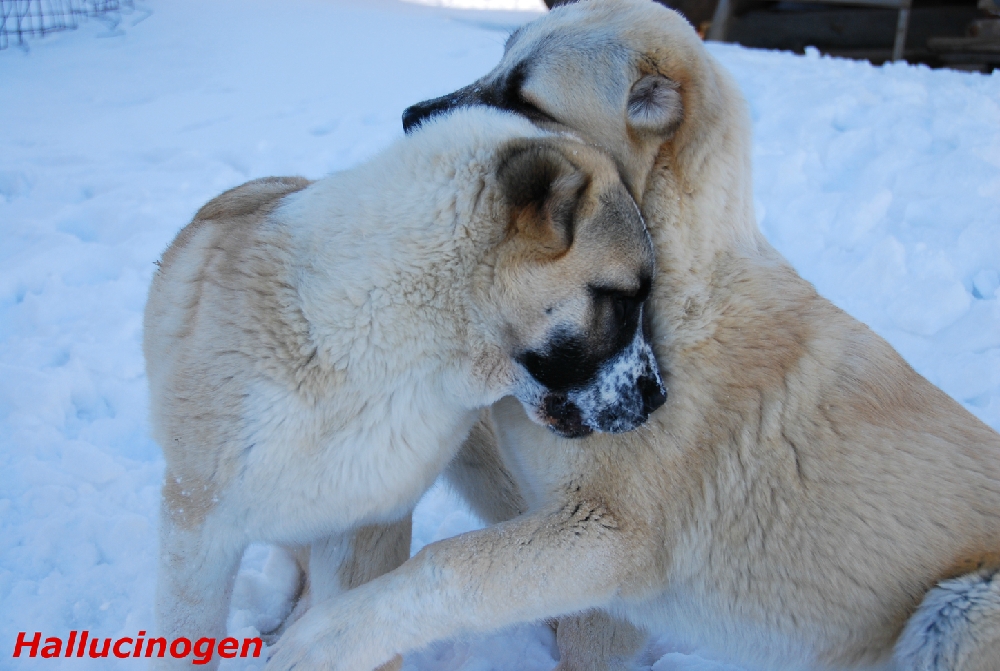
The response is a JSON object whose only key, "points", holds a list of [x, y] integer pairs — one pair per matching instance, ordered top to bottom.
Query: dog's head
{"points": [[624, 74], [566, 288]]}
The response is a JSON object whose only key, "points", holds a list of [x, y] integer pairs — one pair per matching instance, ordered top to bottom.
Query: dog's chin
{"points": [[563, 417], [570, 430]]}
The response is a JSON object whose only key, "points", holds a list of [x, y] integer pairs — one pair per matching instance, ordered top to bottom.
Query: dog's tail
{"points": [[956, 627]]}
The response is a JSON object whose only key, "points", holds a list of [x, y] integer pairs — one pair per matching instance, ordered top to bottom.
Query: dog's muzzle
{"points": [[414, 115], [626, 390]]}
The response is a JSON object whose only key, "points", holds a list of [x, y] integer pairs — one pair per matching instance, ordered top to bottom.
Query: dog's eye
{"points": [[513, 99], [532, 111], [624, 304], [625, 308]]}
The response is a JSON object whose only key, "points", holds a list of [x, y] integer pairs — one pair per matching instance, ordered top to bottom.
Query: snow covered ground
{"points": [[881, 185]]}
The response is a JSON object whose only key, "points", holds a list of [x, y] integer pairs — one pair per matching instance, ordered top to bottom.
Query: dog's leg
{"points": [[479, 476], [374, 551], [340, 563], [195, 582], [476, 582], [301, 598], [956, 628], [593, 641]]}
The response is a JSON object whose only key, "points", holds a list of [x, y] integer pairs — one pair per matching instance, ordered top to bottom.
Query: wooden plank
{"points": [[860, 3], [842, 29]]}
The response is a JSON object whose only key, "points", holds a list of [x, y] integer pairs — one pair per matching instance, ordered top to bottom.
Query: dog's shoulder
{"points": [[225, 262]]}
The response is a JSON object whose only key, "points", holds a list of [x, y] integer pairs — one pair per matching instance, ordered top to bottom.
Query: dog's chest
{"points": [[329, 465]]}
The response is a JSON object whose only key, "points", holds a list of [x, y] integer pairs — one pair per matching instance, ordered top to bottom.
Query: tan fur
{"points": [[317, 352], [801, 493]]}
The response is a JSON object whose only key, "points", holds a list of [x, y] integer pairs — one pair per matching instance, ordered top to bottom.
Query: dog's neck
{"points": [[698, 203]]}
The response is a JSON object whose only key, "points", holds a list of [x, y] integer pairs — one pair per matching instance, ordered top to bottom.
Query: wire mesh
{"points": [[21, 19]]}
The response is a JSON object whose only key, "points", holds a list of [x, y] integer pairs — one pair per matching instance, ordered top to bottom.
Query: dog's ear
{"points": [[654, 105], [543, 190]]}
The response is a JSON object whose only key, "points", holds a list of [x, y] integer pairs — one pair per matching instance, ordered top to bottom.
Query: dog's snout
{"points": [[414, 115]]}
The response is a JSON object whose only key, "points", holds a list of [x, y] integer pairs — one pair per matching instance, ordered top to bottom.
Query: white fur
{"points": [[378, 258], [317, 353], [616, 382], [957, 621]]}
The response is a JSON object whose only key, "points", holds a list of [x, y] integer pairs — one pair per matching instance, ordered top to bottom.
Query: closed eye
{"points": [[513, 96], [529, 109], [639, 293], [624, 302]]}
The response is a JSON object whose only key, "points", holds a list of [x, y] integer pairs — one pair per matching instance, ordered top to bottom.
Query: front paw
{"points": [[325, 639], [311, 644], [289, 654]]}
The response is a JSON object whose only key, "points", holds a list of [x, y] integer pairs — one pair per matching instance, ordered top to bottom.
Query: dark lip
{"points": [[563, 417], [577, 431]]}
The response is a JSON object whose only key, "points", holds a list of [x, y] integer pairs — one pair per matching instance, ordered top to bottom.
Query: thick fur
{"points": [[317, 353], [802, 499], [956, 627]]}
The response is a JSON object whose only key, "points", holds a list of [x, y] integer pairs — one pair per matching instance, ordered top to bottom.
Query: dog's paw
{"points": [[329, 639], [306, 648], [286, 655], [301, 659]]}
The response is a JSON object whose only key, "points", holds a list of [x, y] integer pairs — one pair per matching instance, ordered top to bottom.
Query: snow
{"points": [[515, 5], [881, 185]]}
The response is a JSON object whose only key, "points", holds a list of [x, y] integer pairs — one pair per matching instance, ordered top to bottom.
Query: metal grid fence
{"points": [[20, 19]]}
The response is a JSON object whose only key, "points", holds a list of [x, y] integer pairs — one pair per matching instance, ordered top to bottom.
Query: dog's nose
{"points": [[413, 115], [653, 393]]}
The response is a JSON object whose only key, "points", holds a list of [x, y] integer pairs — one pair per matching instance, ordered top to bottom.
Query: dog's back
{"points": [[196, 273]]}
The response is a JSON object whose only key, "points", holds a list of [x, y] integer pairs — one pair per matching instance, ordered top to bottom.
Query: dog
{"points": [[318, 352], [803, 500]]}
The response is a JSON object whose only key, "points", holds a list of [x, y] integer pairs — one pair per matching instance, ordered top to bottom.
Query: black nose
{"points": [[413, 115], [653, 393]]}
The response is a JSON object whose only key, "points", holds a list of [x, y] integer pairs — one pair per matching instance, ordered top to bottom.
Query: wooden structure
{"points": [[724, 10], [959, 34]]}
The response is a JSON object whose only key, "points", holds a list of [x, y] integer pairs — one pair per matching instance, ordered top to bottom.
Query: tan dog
{"points": [[317, 353], [804, 500]]}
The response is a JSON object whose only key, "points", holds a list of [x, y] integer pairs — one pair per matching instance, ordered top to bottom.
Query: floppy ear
{"points": [[654, 105], [543, 190]]}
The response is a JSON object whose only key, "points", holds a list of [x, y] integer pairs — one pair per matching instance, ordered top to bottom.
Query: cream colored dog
{"points": [[318, 352], [804, 500]]}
